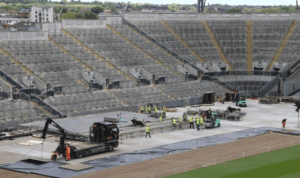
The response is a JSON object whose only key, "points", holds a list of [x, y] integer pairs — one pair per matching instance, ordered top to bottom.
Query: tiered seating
{"points": [[161, 34], [195, 35], [231, 35], [267, 37], [117, 51], [156, 52], [290, 52], [89, 58], [47, 62], [10, 68], [292, 86], [192, 89], [145, 94], [85, 102], [16, 112]]}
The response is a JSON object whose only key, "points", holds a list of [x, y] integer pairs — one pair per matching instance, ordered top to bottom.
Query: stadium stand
{"points": [[161, 34], [194, 34], [231, 35], [267, 37], [291, 52]]}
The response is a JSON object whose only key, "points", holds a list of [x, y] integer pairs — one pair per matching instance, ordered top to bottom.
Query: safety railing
{"points": [[192, 166]]}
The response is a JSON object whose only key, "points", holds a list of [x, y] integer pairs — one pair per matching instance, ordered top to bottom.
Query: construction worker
{"points": [[142, 109], [155, 109], [164, 109], [209, 113], [185, 117], [160, 118], [180, 121], [201, 121], [191, 122], [174, 123], [198, 123], [284, 123], [148, 131], [68, 152], [54, 156]]}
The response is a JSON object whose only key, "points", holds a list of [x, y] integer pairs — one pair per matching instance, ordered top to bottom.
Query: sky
{"points": [[229, 2]]}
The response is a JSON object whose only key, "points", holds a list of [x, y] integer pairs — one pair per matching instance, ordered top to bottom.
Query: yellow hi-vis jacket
{"points": [[147, 129]]}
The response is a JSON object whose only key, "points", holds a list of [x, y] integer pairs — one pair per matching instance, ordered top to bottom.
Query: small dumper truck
{"points": [[213, 121]]}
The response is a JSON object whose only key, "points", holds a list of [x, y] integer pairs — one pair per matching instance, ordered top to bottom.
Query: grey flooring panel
{"points": [[53, 168]]}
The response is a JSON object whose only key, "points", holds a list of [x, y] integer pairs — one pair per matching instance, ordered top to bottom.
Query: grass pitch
{"points": [[276, 164]]}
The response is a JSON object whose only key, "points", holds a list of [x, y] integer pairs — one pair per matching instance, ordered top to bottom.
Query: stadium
{"points": [[79, 96]]}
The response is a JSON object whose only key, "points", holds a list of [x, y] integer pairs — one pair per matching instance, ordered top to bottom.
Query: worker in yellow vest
{"points": [[142, 109], [155, 109], [164, 109], [160, 118], [180, 120], [191, 122], [201, 122], [174, 123], [198, 123], [148, 131]]}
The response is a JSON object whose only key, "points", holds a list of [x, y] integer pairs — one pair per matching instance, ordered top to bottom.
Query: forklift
{"points": [[240, 100], [212, 122], [103, 137]]}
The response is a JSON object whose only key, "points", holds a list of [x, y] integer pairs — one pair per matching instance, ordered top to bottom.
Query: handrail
{"points": [[266, 73]]}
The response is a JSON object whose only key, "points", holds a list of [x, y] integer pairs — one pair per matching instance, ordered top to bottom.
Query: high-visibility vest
{"points": [[142, 108], [165, 109], [156, 110], [185, 116], [197, 117], [160, 118], [179, 118], [191, 119], [201, 120], [174, 121], [197, 121], [147, 129], [68, 150]]}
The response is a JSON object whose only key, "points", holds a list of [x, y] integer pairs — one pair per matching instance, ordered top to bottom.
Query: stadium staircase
{"points": [[182, 41], [283, 44], [217, 46], [249, 46], [146, 53], [97, 55]]}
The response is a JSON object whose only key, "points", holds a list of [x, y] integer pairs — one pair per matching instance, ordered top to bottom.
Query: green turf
{"points": [[276, 164]]}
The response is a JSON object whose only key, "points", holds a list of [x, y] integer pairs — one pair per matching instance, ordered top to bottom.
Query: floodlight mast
{"points": [[200, 5]]}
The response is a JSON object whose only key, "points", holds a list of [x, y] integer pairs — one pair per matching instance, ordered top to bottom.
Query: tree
{"points": [[173, 7], [97, 9], [113, 9], [233, 10], [90, 15]]}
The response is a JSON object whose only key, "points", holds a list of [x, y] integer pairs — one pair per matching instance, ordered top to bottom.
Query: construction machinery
{"points": [[241, 99], [269, 100], [213, 121], [103, 137]]}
